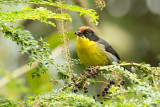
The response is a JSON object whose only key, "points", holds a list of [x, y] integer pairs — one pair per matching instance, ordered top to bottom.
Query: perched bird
{"points": [[92, 50]]}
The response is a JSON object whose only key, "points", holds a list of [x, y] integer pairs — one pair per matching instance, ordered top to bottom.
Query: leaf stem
{"points": [[154, 81]]}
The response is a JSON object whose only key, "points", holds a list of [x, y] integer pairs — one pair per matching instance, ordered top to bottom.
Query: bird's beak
{"points": [[79, 33]]}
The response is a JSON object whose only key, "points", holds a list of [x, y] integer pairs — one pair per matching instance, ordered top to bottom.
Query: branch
{"points": [[141, 67]]}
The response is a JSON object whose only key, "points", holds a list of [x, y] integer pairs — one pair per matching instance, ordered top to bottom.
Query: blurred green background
{"points": [[132, 27]]}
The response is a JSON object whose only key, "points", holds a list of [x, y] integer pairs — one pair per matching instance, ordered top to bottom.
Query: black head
{"points": [[88, 33]]}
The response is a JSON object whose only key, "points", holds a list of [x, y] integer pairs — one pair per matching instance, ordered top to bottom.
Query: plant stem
{"points": [[66, 50], [154, 81]]}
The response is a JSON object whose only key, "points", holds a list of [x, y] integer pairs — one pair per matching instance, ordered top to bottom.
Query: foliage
{"points": [[100, 4], [90, 12], [41, 14], [25, 39], [30, 46], [127, 84], [116, 93], [53, 99]]}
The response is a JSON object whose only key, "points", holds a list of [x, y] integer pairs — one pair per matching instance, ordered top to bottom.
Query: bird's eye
{"points": [[87, 33]]}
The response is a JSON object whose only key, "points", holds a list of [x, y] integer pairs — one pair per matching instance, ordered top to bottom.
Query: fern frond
{"points": [[86, 12], [41, 14], [30, 46]]}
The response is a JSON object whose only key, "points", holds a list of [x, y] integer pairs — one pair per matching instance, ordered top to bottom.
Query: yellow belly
{"points": [[91, 53]]}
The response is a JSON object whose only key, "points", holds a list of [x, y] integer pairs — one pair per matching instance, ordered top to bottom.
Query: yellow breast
{"points": [[91, 53]]}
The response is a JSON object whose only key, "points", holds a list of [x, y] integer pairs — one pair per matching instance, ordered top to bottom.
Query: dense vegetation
{"points": [[128, 84]]}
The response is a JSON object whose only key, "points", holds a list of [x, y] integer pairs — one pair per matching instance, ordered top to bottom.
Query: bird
{"points": [[92, 50]]}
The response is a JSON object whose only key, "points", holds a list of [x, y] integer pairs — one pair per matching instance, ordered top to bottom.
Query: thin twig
{"points": [[65, 42], [154, 81], [100, 82], [85, 83]]}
